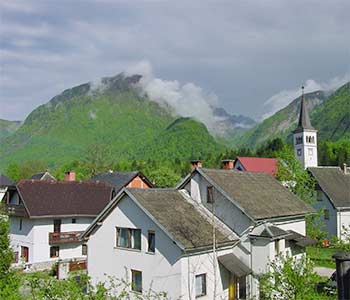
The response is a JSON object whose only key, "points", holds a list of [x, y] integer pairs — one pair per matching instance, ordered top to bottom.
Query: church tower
{"points": [[305, 138]]}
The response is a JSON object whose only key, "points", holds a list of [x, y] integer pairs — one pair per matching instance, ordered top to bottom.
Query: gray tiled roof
{"points": [[43, 176], [118, 180], [5, 181], [334, 183], [258, 194], [179, 217], [269, 231]]}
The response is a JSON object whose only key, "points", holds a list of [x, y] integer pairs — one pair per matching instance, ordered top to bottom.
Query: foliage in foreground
{"points": [[290, 279], [78, 287]]}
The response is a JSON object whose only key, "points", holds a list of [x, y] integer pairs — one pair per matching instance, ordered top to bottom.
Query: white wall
{"points": [[307, 159], [225, 210], [343, 219], [296, 224], [35, 236], [160, 271]]}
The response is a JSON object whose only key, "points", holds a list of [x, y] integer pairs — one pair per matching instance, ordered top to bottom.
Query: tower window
{"points": [[311, 151], [299, 152]]}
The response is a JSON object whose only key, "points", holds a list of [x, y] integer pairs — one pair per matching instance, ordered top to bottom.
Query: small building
{"points": [[256, 164], [118, 180], [333, 196], [47, 218]]}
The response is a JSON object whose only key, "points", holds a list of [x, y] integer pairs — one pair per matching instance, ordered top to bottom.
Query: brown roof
{"points": [[334, 183], [257, 194], [63, 198], [179, 217]]}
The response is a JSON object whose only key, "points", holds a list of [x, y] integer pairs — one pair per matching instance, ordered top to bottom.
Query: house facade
{"points": [[7, 188], [333, 197], [47, 218], [254, 220]]}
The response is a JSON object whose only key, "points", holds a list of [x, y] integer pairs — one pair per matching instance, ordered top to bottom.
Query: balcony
{"points": [[16, 210], [71, 237]]}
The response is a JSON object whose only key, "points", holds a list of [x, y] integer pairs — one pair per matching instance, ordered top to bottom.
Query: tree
{"points": [[97, 159], [292, 174], [290, 279], [9, 281]]}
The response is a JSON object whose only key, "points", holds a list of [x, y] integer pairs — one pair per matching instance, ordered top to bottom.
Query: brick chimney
{"points": [[196, 164], [228, 164], [344, 168], [69, 176]]}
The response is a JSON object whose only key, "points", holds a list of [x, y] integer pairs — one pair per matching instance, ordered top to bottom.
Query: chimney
{"points": [[196, 164], [228, 164], [344, 168], [69, 176]]}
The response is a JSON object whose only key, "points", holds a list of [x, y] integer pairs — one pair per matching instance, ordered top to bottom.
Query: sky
{"points": [[252, 57]]}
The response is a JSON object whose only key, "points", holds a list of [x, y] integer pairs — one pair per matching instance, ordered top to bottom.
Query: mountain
{"points": [[113, 114], [332, 118], [229, 126], [7, 128]]}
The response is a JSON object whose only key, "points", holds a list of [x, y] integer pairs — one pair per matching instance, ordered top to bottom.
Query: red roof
{"points": [[259, 164]]}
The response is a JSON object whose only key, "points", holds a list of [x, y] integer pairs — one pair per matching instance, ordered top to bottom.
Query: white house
{"points": [[333, 196], [47, 218], [255, 218]]}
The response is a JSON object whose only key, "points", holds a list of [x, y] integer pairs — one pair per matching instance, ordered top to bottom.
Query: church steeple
{"points": [[304, 119], [305, 138]]}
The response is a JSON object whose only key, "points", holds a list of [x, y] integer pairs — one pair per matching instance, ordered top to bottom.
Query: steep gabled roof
{"points": [[259, 164], [43, 176], [118, 180], [5, 181], [334, 183], [258, 195], [63, 198], [177, 216]]}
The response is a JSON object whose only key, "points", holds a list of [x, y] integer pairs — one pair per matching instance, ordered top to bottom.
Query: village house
{"points": [[253, 164], [43, 176], [118, 180], [333, 197], [48, 216], [163, 239]]}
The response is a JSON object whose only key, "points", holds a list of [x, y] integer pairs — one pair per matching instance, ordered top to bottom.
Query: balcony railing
{"points": [[16, 210], [72, 237]]}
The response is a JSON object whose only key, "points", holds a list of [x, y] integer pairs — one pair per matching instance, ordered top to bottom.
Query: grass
{"points": [[322, 257]]}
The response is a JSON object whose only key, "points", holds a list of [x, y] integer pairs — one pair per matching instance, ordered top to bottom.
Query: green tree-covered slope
{"points": [[113, 115], [7, 128]]}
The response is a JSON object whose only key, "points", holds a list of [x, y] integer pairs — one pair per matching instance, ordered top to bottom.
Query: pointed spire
{"points": [[304, 119]]}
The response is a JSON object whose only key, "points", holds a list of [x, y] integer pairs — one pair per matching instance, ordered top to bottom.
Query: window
{"points": [[298, 140], [311, 151], [299, 152], [210, 198], [326, 214], [74, 221], [20, 224], [57, 225], [129, 238], [151, 241], [277, 247], [84, 249], [54, 251], [25, 253], [136, 281], [201, 285], [242, 287]]}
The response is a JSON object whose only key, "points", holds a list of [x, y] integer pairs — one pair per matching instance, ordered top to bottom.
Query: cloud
{"points": [[283, 98], [187, 100]]}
